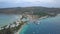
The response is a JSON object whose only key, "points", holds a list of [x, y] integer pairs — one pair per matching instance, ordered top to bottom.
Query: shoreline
{"points": [[15, 26], [18, 26], [20, 29]]}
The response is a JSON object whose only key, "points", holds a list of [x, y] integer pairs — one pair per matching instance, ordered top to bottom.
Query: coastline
{"points": [[18, 25], [20, 29]]}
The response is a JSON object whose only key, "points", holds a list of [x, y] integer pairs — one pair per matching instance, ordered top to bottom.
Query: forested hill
{"points": [[20, 10]]}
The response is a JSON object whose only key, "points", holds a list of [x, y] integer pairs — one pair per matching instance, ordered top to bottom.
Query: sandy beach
{"points": [[20, 29]]}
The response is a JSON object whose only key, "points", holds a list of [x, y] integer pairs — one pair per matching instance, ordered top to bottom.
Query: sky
{"points": [[28, 3]]}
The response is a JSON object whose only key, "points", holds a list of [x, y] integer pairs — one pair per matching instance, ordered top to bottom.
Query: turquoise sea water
{"points": [[7, 19], [49, 25]]}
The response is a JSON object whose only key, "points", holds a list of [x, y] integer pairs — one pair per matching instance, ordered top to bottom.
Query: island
{"points": [[31, 13]]}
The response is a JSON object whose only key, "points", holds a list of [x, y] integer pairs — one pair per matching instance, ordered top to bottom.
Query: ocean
{"points": [[6, 19], [49, 25]]}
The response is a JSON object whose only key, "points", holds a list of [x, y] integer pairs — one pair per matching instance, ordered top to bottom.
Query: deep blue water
{"points": [[7, 19], [49, 25]]}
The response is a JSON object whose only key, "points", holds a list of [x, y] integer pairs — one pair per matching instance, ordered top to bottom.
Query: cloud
{"points": [[18, 1], [13, 3]]}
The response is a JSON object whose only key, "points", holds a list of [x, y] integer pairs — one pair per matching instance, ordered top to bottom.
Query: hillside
{"points": [[20, 10]]}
